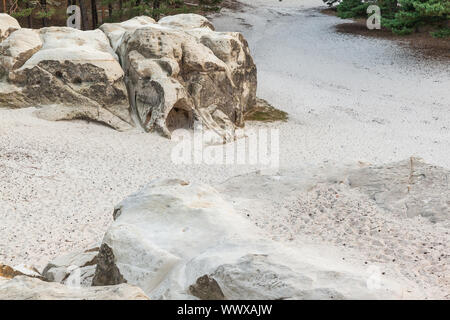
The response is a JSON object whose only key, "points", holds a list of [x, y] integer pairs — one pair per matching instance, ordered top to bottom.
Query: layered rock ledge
{"points": [[329, 235]]}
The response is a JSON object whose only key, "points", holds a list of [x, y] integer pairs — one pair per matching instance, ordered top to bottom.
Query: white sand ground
{"points": [[349, 98]]}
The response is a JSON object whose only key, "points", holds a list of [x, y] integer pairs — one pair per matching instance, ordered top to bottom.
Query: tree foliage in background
{"points": [[401, 16]]}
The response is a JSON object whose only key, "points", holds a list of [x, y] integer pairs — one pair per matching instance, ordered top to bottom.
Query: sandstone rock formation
{"points": [[186, 21], [7, 25], [17, 49], [180, 70], [165, 75], [408, 188], [394, 215], [177, 240], [74, 266], [8, 272], [26, 288]]}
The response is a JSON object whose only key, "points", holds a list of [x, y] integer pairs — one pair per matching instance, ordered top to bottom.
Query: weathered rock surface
{"points": [[186, 21], [8, 25], [116, 31], [17, 49], [180, 70], [72, 74], [166, 74], [408, 188], [394, 219], [176, 240], [75, 266], [8, 272], [106, 272], [26, 288], [206, 288]]}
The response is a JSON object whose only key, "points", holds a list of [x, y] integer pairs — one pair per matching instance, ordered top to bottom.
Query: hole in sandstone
{"points": [[58, 74], [77, 80], [179, 118], [147, 119]]}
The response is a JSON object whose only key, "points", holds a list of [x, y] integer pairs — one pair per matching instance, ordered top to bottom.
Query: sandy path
{"points": [[349, 98]]}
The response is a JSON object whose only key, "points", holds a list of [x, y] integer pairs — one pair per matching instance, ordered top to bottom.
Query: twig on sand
{"points": [[52, 177]]}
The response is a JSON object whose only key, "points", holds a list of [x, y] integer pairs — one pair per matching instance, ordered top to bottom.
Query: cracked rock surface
{"points": [[181, 240]]}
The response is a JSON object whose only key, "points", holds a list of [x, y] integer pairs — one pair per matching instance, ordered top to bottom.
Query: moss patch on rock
{"points": [[264, 112]]}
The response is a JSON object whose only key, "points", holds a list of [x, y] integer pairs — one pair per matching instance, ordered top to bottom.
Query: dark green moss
{"points": [[264, 112]]}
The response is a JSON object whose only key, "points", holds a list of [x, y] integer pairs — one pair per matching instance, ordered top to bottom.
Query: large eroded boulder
{"points": [[8, 25], [180, 70], [71, 74], [395, 215], [177, 240]]}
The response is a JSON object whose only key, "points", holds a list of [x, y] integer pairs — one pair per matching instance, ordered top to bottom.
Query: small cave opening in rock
{"points": [[179, 118]]}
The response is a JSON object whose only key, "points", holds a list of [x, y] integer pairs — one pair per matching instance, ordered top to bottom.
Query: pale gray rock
{"points": [[186, 21], [179, 71], [74, 75], [164, 76], [408, 188], [167, 237], [8, 272], [107, 272], [256, 277]]}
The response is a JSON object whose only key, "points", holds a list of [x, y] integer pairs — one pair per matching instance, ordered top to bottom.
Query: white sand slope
{"points": [[350, 98]]}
